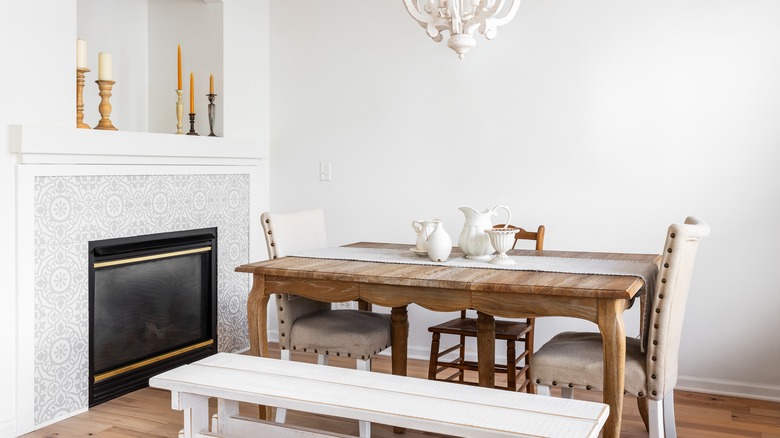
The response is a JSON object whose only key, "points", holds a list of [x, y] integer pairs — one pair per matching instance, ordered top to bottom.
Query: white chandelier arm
{"points": [[432, 23], [487, 23]]}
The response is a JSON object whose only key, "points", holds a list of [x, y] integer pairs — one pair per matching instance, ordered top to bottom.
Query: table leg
{"points": [[257, 316], [400, 319], [257, 321], [613, 333], [486, 349]]}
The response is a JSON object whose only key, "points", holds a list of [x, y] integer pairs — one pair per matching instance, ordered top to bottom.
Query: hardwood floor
{"points": [[147, 413]]}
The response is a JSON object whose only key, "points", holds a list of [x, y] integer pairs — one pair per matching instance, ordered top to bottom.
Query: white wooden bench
{"points": [[446, 408]]}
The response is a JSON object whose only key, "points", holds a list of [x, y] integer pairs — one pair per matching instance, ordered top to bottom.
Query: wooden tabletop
{"points": [[472, 279]]}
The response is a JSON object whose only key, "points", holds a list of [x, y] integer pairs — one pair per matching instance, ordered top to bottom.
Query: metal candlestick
{"points": [[80, 98], [105, 105], [179, 111], [212, 113], [192, 125]]}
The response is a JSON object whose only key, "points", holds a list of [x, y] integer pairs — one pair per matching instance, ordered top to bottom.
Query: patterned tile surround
{"points": [[72, 210]]}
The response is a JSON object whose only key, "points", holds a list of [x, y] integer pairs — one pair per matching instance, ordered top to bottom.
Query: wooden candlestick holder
{"points": [[80, 78], [105, 105], [179, 111], [192, 125]]}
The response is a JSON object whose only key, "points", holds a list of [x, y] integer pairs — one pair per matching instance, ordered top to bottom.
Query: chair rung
{"points": [[449, 350]]}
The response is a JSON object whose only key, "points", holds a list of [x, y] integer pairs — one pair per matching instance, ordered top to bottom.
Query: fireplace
{"points": [[152, 307]]}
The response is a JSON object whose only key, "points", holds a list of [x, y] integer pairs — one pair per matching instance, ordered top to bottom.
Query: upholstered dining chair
{"points": [[311, 326], [510, 331], [574, 359]]}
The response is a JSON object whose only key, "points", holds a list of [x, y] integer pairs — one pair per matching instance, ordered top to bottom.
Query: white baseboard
{"points": [[729, 387]]}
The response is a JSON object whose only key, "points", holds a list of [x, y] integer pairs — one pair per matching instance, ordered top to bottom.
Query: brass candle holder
{"points": [[80, 78], [105, 105], [179, 111], [212, 113], [192, 125]]}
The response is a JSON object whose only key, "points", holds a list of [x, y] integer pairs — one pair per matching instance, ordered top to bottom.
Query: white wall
{"points": [[118, 27], [200, 37], [40, 91], [604, 120]]}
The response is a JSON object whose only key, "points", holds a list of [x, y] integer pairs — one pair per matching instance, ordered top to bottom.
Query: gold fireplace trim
{"points": [[151, 257], [151, 360]]}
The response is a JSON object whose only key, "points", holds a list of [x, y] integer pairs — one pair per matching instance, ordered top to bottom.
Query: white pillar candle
{"points": [[81, 53], [104, 66]]}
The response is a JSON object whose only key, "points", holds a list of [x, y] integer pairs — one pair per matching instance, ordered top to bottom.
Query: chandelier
{"points": [[461, 18]]}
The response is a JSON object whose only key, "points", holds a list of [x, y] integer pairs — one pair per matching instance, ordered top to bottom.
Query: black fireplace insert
{"points": [[152, 307]]}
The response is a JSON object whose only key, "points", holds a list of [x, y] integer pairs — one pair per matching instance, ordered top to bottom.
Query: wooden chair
{"points": [[312, 326], [506, 330], [574, 359]]}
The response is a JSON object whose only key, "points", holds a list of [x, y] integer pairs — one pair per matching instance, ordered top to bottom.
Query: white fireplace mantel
{"points": [[59, 145], [160, 183]]}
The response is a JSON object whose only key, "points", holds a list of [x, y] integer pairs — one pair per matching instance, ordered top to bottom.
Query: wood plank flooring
{"points": [[147, 413]]}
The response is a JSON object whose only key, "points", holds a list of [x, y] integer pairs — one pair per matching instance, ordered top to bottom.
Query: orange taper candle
{"points": [[179, 64], [211, 84], [192, 96]]}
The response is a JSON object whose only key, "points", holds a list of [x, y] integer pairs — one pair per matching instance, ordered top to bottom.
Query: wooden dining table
{"points": [[601, 299]]}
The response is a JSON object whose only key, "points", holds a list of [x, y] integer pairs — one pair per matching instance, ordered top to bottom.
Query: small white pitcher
{"points": [[421, 228], [439, 242]]}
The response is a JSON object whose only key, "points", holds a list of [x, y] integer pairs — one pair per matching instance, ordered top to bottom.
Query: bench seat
{"points": [[406, 402]]}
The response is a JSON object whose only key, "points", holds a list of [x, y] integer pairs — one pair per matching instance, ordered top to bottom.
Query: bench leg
{"points": [[322, 359], [543, 390], [567, 392], [226, 409], [196, 414], [281, 414], [364, 426]]}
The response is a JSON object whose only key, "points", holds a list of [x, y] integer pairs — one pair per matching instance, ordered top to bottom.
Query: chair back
{"points": [[299, 231], [285, 234], [537, 236], [668, 304]]}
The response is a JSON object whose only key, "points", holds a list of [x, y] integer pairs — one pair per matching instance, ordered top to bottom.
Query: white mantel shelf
{"points": [[59, 145]]}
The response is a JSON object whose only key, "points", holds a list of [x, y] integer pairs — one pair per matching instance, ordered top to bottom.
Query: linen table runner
{"points": [[646, 271]]}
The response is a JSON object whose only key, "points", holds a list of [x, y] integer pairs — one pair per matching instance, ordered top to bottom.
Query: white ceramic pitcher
{"points": [[421, 228], [473, 240], [439, 242]]}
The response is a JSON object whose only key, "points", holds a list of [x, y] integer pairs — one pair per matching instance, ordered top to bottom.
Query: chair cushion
{"points": [[351, 333], [578, 359]]}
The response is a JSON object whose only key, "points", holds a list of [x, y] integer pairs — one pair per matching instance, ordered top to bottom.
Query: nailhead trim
{"points": [[588, 387], [655, 393]]}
